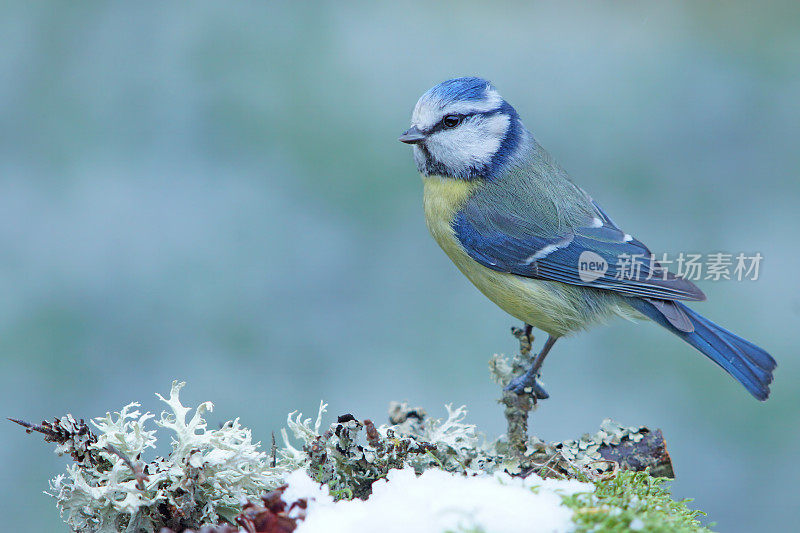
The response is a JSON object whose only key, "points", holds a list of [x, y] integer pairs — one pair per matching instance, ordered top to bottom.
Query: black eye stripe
{"points": [[439, 126]]}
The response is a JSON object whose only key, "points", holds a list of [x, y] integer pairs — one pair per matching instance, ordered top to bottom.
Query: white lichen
{"points": [[205, 477]]}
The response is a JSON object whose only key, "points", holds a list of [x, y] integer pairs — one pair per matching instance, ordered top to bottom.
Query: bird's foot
{"points": [[527, 384]]}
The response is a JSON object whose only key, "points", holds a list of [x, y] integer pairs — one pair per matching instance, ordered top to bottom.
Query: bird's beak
{"points": [[411, 136]]}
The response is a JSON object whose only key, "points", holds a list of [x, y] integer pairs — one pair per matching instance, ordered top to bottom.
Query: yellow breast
{"points": [[442, 199], [550, 306]]}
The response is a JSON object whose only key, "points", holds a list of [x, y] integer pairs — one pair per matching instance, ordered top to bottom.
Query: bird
{"points": [[537, 245]]}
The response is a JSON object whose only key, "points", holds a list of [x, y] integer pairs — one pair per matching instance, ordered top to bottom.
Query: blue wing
{"points": [[597, 254]]}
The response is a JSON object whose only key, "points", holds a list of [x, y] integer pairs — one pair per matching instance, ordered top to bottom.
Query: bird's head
{"points": [[463, 129]]}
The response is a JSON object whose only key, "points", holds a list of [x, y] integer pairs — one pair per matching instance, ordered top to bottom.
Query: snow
{"points": [[300, 485], [437, 501]]}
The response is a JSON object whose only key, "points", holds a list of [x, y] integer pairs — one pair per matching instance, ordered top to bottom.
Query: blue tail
{"points": [[749, 364]]}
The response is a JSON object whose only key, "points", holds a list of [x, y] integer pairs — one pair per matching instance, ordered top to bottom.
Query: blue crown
{"points": [[460, 89]]}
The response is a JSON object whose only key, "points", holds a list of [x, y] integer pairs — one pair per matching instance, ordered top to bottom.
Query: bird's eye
{"points": [[451, 121]]}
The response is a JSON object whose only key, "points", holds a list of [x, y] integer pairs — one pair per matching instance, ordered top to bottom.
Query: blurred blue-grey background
{"points": [[214, 192]]}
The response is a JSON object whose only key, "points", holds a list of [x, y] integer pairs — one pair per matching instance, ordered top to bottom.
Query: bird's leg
{"points": [[525, 337], [528, 380]]}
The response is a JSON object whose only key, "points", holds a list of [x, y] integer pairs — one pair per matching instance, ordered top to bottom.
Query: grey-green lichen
{"points": [[350, 455], [208, 473]]}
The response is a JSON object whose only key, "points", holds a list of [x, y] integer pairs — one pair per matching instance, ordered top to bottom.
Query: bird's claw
{"points": [[524, 385]]}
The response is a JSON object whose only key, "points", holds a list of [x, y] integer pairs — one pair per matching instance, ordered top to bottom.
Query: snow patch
{"points": [[437, 501]]}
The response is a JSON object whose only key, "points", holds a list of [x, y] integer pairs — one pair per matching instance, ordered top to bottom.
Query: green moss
{"points": [[632, 501]]}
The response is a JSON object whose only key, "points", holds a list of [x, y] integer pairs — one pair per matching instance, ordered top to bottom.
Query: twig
{"points": [[517, 406], [29, 428], [137, 469]]}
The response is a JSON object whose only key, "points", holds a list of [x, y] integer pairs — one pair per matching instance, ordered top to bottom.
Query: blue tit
{"points": [[514, 224]]}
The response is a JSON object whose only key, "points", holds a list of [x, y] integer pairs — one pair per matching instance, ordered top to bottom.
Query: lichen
{"points": [[351, 455], [209, 474], [204, 478]]}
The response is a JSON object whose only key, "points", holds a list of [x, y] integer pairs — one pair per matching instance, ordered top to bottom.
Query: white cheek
{"points": [[497, 125], [471, 144]]}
